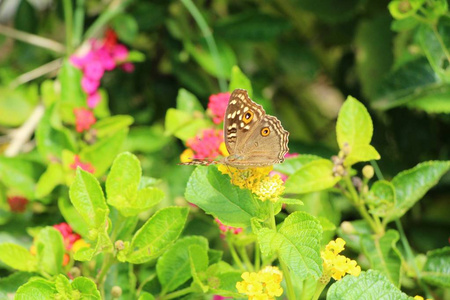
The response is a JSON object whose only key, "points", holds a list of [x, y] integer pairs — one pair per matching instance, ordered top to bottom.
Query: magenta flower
{"points": [[119, 52], [127, 67], [94, 70], [89, 85], [93, 99], [218, 105], [84, 119], [206, 144], [224, 228]]}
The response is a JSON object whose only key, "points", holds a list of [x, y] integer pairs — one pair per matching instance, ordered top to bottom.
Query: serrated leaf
{"points": [[126, 27], [240, 81], [188, 102], [110, 125], [183, 125], [354, 127], [360, 153], [53, 176], [314, 176], [411, 185], [214, 193], [87, 197], [381, 197], [73, 217], [157, 234], [297, 243], [50, 251], [383, 254], [17, 257], [198, 258], [437, 267], [173, 268], [10, 284], [224, 284], [63, 286], [367, 286], [86, 287], [37, 289], [146, 296]]}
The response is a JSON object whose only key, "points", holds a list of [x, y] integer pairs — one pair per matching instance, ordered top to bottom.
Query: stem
{"points": [[68, 18], [78, 23], [32, 39], [209, 41], [38, 72], [377, 170], [360, 206], [272, 223], [244, 255], [235, 256], [257, 256], [410, 258], [108, 260], [287, 277], [132, 281], [143, 283], [319, 290], [179, 293]]}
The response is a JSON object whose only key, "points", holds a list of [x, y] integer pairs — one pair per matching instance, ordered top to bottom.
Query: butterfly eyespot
{"points": [[248, 116], [265, 131]]}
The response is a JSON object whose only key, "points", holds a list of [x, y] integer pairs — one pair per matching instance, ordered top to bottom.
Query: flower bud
{"points": [[368, 171], [347, 227], [119, 245], [75, 272], [116, 291]]}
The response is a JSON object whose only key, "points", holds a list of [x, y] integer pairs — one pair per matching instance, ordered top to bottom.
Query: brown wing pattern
{"points": [[239, 105]]}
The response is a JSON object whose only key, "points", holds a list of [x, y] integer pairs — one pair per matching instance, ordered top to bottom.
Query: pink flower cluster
{"points": [[104, 55], [218, 105], [84, 119], [206, 144], [85, 166], [17, 204], [224, 228], [69, 236]]}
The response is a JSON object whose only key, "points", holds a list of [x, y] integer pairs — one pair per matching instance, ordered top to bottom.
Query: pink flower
{"points": [[119, 52], [106, 59], [127, 67], [94, 70], [89, 85], [94, 99], [218, 105], [84, 119], [206, 144], [290, 155], [85, 166], [282, 176], [17, 204], [224, 228], [69, 237], [218, 297]]}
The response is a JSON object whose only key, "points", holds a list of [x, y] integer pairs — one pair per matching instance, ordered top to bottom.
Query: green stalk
{"points": [[68, 18], [78, 23], [209, 41], [234, 254], [244, 255], [257, 256], [410, 258], [108, 261], [287, 277], [319, 290], [179, 293]]}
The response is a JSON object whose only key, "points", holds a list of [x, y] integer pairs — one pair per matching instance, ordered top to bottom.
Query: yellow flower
{"points": [[187, 155], [245, 178], [269, 188], [80, 244], [335, 265], [264, 284], [417, 297]]}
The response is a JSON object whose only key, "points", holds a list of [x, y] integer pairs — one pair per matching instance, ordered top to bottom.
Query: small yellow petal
{"points": [[187, 155]]}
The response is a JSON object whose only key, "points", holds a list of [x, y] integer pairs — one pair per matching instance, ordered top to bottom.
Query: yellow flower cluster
{"points": [[245, 178], [270, 188], [336, 265], [264, 285], [419, 298]]}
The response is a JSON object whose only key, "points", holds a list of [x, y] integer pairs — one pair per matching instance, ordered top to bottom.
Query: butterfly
{"points": [[252, 138]]}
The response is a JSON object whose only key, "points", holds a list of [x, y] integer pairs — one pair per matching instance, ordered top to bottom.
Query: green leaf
{"points": [[327, 11], [126, 27], [135, 56], [240, 81], [72, 95], [188, 102], [435, 102], [16, 105], [110, 125], [183, 125], [354, 125], [52, 139], [146, 139], [102, 153], [360, 153], [292, 165], [20, 174], [314, 176], [52, 177], [411, 185], [122, 187], [216, 195], [87, 197], [381, 197], [73, 217], [157, 234], [297, 243], [103, 244], [50, 251], [383, 254], [17, 257], [198, 258], [437, 267], [173, 268], [10, 284], [63, 286], [367, 286], [86, 287], [38, 289], [146, 296]]}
